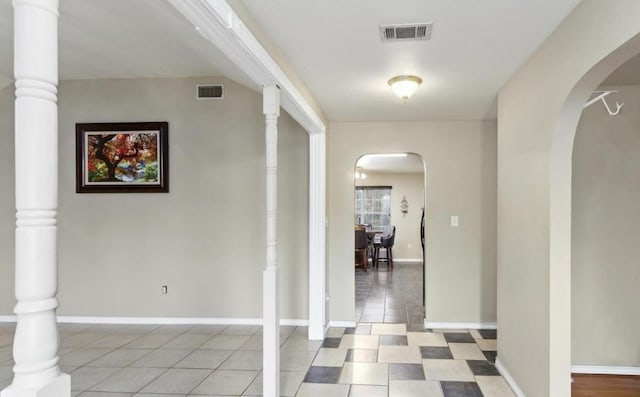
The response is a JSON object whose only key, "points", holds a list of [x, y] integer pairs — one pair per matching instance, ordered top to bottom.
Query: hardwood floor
{"points": [[605, 386]]}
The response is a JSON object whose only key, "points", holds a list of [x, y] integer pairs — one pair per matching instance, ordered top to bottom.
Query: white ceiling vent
{"points": [[406, 31], [210, 91]]}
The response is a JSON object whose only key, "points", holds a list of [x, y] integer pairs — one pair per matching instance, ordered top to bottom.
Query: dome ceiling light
{"points": [[405, 85]]}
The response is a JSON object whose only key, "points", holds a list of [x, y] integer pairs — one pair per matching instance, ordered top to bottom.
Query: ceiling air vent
{"points": [[406, 31], [210, 91]]}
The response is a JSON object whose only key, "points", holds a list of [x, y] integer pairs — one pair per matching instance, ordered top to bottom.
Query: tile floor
{"points": [[390, 296], [372, 359]]}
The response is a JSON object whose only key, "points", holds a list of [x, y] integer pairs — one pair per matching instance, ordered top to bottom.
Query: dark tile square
{"points": [[416, 319], [350, 330], [488, 333], [458, 337], [396, 340], [331, 342], [436, 352], [491, 356], [482, 367], [406, 372], [323, 375], [461, 389]]}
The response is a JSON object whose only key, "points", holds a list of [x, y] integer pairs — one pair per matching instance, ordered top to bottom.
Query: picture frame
{"points": [[122, 157]]}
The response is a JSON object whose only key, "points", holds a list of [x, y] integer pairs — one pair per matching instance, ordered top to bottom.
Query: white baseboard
{"points": [[407, 260], [164, 320], [344, 324], [458, 325], [604, 370], [509, 379]]}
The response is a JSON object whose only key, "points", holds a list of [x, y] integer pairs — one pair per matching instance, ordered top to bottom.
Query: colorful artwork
{"points": [[119, 157]]}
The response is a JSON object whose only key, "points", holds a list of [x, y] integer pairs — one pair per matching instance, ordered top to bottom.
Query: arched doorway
{"points": [[538, 113], [389, 191], [560, 200], [605, 225]]}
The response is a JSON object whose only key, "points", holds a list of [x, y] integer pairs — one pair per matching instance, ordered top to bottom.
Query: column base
{"points": [[60, 386]]}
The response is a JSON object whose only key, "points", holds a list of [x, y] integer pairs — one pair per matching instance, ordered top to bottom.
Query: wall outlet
{"points": [[455, 221], [409, 246], [165, 290]]}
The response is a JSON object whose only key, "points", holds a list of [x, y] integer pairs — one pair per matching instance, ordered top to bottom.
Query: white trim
{"points": [[317, 236], [418, 260], [270, 275], [8, 319], [167, 320], [345, 324], [458, 325], [604, 370], [509, 379]]}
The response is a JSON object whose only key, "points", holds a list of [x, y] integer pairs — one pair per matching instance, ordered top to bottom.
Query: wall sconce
{"points": [[404, 206]]}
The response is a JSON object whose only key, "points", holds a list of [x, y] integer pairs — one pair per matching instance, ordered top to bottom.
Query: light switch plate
{"points": [[454, 221]]}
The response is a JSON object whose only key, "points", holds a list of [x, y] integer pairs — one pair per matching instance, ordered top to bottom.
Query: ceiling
{"points": [[101, 39], [333, 46], [412, 163]]}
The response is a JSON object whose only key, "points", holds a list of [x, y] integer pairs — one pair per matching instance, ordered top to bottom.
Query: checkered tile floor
{"points": [[373, 359], [382, 359]]}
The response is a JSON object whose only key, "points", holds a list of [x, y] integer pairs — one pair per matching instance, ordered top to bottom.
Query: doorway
{"points": [[389, 203], [604, 229]]}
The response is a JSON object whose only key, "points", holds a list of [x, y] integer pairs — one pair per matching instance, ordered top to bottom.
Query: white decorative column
{"points": [[317, 216], [270, 295], [35, 347]]}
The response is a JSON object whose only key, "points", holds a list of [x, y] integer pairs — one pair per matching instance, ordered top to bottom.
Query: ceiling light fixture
{"points": [[405, 85]]}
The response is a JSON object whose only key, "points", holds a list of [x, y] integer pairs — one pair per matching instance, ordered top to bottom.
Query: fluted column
{"points": [[270, 295], [35, 347]]}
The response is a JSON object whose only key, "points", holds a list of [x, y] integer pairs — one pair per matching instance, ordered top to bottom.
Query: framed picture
{"points": [[122, 157]]}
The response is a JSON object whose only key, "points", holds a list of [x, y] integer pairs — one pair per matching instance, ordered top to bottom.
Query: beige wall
{"points": [[538, 110], [461, 180], [7, 202], [605, 228], [204, 239], [407, 242]]}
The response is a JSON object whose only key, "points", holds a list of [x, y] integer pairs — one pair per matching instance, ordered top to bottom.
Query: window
{"points": [[373, 206]]}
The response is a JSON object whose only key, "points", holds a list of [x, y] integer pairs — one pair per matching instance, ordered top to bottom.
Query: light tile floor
{"points": [[372, 359]]}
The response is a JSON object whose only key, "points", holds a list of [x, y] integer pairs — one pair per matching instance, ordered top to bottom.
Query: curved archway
{"points": [[538, 112], [387, 179], [560, 201]]}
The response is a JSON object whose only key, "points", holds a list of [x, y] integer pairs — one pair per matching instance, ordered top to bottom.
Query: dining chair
{"points": [[386, 243], [361, 248]]}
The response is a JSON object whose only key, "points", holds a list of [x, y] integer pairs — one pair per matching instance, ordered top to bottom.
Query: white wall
{"points": [[538, 111], [460, 158], [605, 228], [204, 239], [407, 242]]}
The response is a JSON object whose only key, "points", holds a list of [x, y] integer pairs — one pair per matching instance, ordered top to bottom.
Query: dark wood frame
{"points": [[123, 187]]}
